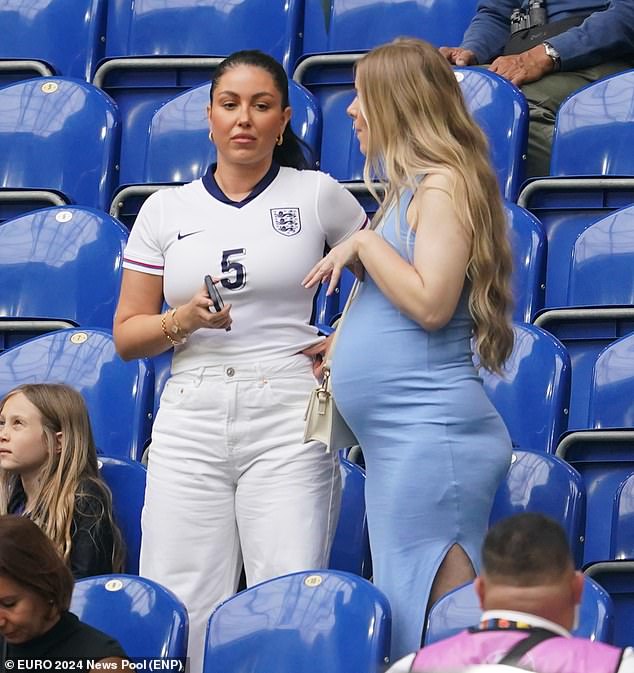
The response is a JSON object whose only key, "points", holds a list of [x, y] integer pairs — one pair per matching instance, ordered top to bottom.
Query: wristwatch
{"points": [[553, 54]]}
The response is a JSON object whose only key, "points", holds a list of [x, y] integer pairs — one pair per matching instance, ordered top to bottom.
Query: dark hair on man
{"points": [[292, 152], [526, 550], [29, 558]]}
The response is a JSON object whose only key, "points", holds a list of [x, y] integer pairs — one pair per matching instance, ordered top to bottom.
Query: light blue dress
{"points": [[435, 448]]}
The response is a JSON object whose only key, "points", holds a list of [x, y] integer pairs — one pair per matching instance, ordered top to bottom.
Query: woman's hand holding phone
{"points": [[217, 304], [200, 312]]}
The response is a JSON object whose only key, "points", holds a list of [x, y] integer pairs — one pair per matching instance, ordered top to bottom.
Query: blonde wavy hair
{"points": [[418, 123], [67, 472]]}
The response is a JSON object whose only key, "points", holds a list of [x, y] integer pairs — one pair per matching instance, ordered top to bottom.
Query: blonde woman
{"points": [[436, 273], [48, 472]]}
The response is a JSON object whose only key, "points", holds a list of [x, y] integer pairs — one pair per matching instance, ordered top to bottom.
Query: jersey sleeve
{"points": [[339, 213], [144, 251]]}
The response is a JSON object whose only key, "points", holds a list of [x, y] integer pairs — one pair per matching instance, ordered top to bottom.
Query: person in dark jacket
{"points": [[569, 44], [35, 591]]}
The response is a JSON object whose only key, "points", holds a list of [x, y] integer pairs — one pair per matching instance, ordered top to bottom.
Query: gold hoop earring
{"points": [[211, 136], [279, 140]]}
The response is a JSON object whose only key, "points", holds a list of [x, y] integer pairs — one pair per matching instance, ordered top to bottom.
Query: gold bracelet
{"points": [[165, 332], [180, 333]]}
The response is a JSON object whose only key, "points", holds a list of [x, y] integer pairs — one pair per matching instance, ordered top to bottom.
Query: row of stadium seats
{"points": [[177, 40], [65, 141], [75, 255], [121, 399], [317, 618], [322, 620]]}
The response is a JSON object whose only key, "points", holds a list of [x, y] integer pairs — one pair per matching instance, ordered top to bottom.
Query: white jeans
{"points": [[229, 479]]}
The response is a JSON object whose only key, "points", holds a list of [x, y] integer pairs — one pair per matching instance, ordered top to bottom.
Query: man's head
{"points": [[527, 567]]}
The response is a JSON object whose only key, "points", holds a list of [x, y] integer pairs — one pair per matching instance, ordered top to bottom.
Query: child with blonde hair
{"points": [[49, 473]]}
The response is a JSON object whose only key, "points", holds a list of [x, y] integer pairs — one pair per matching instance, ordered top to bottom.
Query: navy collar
{"points": [[210, 184]]}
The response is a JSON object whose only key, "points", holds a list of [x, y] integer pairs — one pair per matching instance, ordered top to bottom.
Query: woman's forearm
{"points": [[143, 336]]}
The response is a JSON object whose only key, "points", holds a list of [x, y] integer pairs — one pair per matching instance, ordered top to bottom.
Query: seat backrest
{"points": [[338, 26], [202, 28], [64, 37], [496, 105], [502, 112], [594, 129], [59, 134], [565, 211], [528, 244], [602, 262], [60, 263], [537, 377], [612, 386], [118, 394], [604, 460], [126, 480], [542, 483], [622, 540], [351, 545], [617, 579], [459, 609], [147, 619], [314, 621]]}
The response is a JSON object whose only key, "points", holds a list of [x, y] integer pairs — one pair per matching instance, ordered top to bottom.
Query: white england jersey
{"points": [[264, 245]]}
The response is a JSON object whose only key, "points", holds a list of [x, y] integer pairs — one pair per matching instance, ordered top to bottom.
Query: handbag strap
{"points": [[351, 297]]}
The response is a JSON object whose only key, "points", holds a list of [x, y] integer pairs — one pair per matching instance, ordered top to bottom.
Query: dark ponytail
{"points": [[293, 152]]}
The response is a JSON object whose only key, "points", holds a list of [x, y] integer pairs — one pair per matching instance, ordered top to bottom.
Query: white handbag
{"points": [[324, 423]]}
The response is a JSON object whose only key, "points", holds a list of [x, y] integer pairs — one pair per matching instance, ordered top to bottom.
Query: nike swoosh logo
{"points": [[191, 233]]}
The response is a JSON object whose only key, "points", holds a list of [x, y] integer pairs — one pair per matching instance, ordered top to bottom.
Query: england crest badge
{"points": [[286, 221]]}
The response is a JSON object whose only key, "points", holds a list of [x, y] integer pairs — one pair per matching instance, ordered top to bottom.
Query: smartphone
{"points": [[213, 293]]}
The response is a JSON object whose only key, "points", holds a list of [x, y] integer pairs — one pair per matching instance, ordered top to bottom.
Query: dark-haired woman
{"points": [[229, 478], [35, 592]]}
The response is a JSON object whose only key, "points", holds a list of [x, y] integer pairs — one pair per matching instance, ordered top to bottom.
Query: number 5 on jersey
{"points": [[230, 265]]}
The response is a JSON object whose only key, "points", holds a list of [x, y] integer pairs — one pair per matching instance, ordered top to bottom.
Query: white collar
{"points": [[532, 620]]}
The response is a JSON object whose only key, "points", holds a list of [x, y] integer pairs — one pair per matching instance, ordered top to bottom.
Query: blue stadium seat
{"points": [[338, 26], [50, 38], [157, 49], [497, 105], [502, 112], [594, 130], [59, 143], [178, 149], [592, 171], [528, 243], [602, 263], [59, 267], [599, 293], [536, 377], [118, 394], [604, 454], [126, 480], [539, 482], [621, 539], [351, 545], [617, 579], [459, 609], [147, 619], [313, 621]]}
